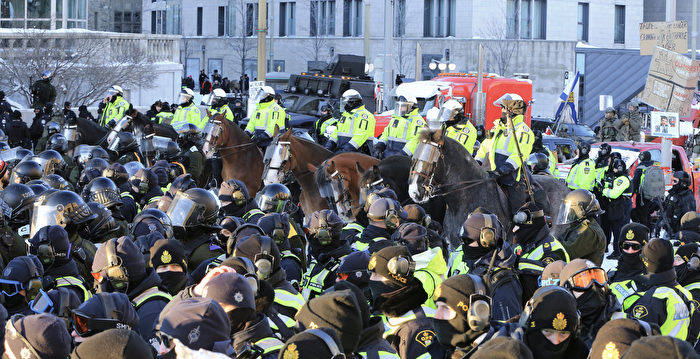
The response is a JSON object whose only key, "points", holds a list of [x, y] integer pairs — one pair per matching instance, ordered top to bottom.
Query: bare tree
{"points": [[241, 44], [316, 46], [499, 48], [404, 58], [84, 67]]}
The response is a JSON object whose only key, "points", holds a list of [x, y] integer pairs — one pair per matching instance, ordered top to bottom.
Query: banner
{"points": [[669, 35], [671, 81]]}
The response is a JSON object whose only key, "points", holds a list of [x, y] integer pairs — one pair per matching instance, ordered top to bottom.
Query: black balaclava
{"points": [[527, 232], [474, 253], [174, 281], [377, 288], [591, 302], [545, 348]]}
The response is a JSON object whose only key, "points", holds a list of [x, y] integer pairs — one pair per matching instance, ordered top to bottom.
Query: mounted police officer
{"points": [[218, 105], [115, 107], [187, 112], [267, 115], [324, 121], [356, 125], [457, 126], [400, 136], [508, 151]]}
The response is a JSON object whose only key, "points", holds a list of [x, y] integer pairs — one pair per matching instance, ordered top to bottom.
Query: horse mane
{"points": [[230, 126], [452, 147], [320, 174]]}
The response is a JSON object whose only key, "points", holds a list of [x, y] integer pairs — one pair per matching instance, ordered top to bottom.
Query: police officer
{"points": [[43, 91], [218, 105], [115, 107], [68, 112], [187, 112], [164, 115], [267, 115], [633, 120], [324, 121], [356, 125], [457, 126], [608, 130], [17, 131], [400, 136], [189, 138], [58, 143], [539, 147], [127, 148], [505, 159], [602, 162], [539, 164], [117, 173], [582, 174], [143, 186], [103, 190], [616, 190], [273, 198], [679, 201], [236, 202], [642, 208], [194, 213], [383, 216], [277, 226], [583, 238], [51, 245], [535, 246], [327, 251], [686, 263], [624, 278], [22, 281], [662, 292], [398, 296], [597, 305]]}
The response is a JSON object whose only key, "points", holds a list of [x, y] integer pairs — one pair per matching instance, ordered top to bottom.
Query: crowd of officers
{"points": [[104, 257]]}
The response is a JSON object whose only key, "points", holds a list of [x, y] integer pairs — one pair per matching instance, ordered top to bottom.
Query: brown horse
{"points": [[289, 153], [241, 158], [339, 182]]}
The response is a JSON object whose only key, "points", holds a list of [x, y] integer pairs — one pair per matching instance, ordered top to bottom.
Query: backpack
{"points": [[653, 183]]}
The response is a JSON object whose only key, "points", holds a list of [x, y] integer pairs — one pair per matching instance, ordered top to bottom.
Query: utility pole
{"points": [[365, 31], [694, 31], [271, 32], [262, 33], [388, 47], [419, 61], [479, 120]]}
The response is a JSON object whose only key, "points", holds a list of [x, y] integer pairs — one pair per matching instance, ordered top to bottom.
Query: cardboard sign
{"points": [[669, 35], [671, 81], [253, 89], [665, 124]]}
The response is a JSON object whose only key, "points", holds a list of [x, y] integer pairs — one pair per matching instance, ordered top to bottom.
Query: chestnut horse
{"points": [[291, 154], [241, 158]]}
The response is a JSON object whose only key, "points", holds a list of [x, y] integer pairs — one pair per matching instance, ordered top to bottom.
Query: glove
{"points": [[111, 123], [330, 145], [349, 147], [380, 147], [479, 162], [505, 169], [494, 174]]}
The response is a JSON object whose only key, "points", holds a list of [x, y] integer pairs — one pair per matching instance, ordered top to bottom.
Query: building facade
{"points": [[49, 15], [115, 16]]}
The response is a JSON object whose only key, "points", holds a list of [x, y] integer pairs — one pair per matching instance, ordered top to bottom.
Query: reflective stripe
{"points": [[252, 213], [354, 226], [70, 281], [315, 285], [692, 286], [149, 293], [288, 299], [677, 312], [269, 345], [380, 354]]}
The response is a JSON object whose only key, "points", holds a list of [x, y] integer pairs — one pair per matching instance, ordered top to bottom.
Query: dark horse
{"points": [[91, 133], [291, 154], [241, 158], [442, 167], [392, 172]]}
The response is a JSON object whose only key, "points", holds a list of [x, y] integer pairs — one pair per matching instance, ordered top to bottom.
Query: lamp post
{"points": [[441, 65]]}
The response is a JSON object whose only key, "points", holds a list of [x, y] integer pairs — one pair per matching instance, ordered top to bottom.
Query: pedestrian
{"points": [[43, 92], [17, 131]]}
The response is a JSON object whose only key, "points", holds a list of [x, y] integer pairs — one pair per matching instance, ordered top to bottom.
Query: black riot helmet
{"points": [[53, 127], [188, 135], [125, 142], [58, 143], [584, 148], [604, 150], [99, 152], [644, 156], [53, 162], [538, 162], [98, 163], [618, 166], [26, 171], [117, 173], [681, 178], [55, 181], [102, 190], [20, 198], [273, 198], [195, 207], [62, 208], [157, 215], [102, 227]]}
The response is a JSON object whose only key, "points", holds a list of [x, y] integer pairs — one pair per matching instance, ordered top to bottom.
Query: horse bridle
{"points": [[214, 137], [283, 162], [344, 199]]}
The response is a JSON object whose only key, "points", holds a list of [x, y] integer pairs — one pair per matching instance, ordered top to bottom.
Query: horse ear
{"points": [[277, 131], [311, 167], [331, 167], [360, 170], [375, 171]]}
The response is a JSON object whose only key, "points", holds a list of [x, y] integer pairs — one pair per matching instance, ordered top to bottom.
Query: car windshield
{"points": [[289, 101], [540, 124], [579, 130], [629, 155]]}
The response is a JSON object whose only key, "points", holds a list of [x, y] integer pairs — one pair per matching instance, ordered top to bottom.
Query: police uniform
{"points": [[114, 110], [224, 110], [187, 114], [164, 117], [262, 122], [353, 130], [464, 133], [401, 135], [193, 162], [582, 175], [617, 191], [585, 240], [535, 255], [322, 272], [412, 334]]}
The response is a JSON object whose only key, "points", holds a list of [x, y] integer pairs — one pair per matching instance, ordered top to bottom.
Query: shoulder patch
{"points": [[620, 181], [639, 311], [425, 337], [610, 351]]}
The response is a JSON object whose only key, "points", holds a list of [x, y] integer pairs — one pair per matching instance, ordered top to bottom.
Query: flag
{"points": [[566, 110], [548, 131]]}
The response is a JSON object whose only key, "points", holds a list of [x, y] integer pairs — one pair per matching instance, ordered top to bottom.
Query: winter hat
{"points": [[161, 173], [416, 214], [327, 219], [690, 221], [275, 225], [146, 226], [634, 232], [413, 236], [57, 238], [250, 247], [168, 251], [686, 251], [658, 255], [131, 258], [393, 263], [355, 266], [574, 267], [20, 269], [551, 273], [230, 289], [455, 291], [64, 301], [362, 303], [113, 305], [551, 307], [336, 310], [199, 323], [45, 333], [616, 336], [122, 344], [309, 345], [660, 347], [503, 348]]}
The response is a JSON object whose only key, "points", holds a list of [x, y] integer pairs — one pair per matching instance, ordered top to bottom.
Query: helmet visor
{"points": [[183, 98], [208, 100], [403, 108], [71, 133], [114, 144], [269, 205], [181, 211], [567, 213], [43, 216]]}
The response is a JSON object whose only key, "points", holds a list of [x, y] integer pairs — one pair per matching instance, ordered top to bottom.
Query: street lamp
{"points": [[441, 65]]}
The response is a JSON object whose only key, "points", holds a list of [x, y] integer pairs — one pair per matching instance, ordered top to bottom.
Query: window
{"points": [[251, 18], [287, 18], [322, 18], [352, 18], [399, 18], [439, 18], [526, 19], [199, 20], [222, 20], [582, 21], [158, 22], [619, 24]]}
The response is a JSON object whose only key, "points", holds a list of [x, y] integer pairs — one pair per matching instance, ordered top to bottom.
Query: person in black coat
{"points": [[84, 113], [38, 123], [17, 131], [679, 201], [642, 208]]}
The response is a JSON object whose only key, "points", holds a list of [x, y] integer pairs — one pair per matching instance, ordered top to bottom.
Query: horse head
{"points": [[214, 135], [277, 158], [424, 164], [371, 180], [334, 188]]}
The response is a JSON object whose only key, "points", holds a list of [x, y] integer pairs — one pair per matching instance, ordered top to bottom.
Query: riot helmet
{"points": [[265, 94], [186, 96], [351, 100], [404, 105], [450, 113], [53, 127], [188, 135], [124, 142], [58, 143], [584, 148], [604, 150], [52, 162], [538, 162], [133, 167], [26, 171], [117, 173], [681, 178], [55, 181], [102, 190], [20, 198], [273, 198], [577, 206], [62, 208], [194, 208], [157, 215], [102, 227]]}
